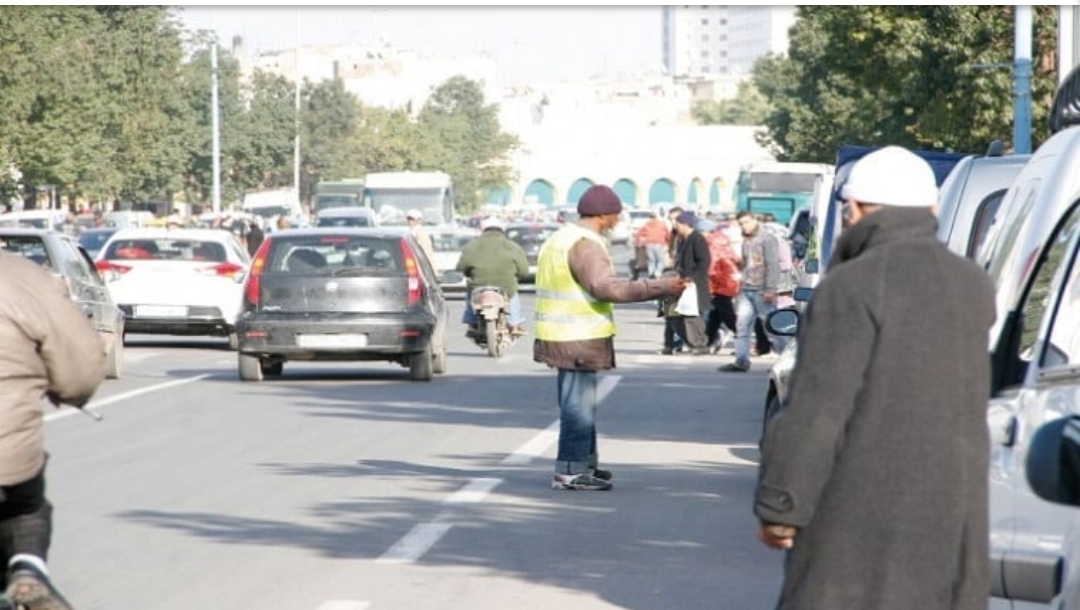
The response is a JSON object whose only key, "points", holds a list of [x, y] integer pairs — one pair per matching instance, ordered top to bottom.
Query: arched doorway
{"points": [[577, 189], [626, 190], [540, 191], [662, 191], [714, 193], [694, 194], [499, 196]]}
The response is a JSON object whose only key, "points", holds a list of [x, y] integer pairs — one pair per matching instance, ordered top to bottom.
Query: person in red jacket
{"points": [[723, 286]]}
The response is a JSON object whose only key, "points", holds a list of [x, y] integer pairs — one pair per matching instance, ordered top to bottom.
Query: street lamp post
{"points": [[215, 125]]}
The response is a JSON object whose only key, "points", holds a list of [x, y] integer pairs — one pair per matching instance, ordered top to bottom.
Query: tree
{"points": [[886, 75], [749, 107], [329, 145], [471, 145]]}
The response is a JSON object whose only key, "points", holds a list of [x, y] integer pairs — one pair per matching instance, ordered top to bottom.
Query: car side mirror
{"points": [[810, 266], [452, 277], [802, 294], [783, 322], [1053, 461]]}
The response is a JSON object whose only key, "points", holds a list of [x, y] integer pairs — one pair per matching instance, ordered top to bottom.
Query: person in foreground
{"points": [[576, 287], [50, 351], [874, 477]]}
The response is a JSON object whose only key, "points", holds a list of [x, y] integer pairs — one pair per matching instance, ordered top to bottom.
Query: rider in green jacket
{"points": [[493, 259]]}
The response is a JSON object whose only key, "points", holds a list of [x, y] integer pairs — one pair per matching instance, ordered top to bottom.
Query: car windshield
{"points": [[94, 240], [449, 242], [30, 247], [166, 249], [334, 255]]}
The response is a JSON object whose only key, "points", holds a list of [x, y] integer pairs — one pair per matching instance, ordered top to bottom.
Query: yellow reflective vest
{"points": [[564, 310]]}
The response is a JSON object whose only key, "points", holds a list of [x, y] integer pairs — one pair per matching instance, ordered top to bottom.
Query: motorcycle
{"points": [[491, 306]]}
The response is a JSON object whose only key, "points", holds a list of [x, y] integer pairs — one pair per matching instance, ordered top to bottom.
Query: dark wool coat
{"points": [[692, 260], [880, 457]]}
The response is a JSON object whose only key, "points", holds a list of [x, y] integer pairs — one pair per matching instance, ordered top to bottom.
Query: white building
{"points": [[722, 40]]}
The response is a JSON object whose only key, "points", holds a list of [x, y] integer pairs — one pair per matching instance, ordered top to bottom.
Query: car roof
{"points": [[172, 233]]}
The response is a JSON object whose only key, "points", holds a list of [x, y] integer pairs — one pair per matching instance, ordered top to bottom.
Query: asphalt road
{"points": [[348, 487]]}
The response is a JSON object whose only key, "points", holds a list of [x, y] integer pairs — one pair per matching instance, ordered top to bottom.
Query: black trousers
{"points": [[722, 312], [25, 520]]}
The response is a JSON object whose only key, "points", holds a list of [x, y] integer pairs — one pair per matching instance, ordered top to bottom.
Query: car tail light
{"points": [[107, 268], [230, 270], [412, 270], [251, 289]]}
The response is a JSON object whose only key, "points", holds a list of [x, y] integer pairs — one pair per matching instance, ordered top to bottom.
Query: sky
{"points": [[528, 43]]}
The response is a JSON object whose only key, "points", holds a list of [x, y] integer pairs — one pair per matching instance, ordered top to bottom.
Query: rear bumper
{"points": [[198, 321], [303, 337]]}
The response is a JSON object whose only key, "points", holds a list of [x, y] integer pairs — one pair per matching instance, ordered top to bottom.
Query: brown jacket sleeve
{"points": [[592, 268]]}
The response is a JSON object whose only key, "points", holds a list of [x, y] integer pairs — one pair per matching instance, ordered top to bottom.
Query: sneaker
{"points": [[735, 367], [600, 473], [582, 482], [29, 587]]}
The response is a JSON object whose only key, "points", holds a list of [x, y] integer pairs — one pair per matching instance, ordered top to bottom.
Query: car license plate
{"points": [[161, 311], [343, 341]]}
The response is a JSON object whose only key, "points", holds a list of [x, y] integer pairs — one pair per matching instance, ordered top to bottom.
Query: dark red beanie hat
{"points": [[599, 200]]}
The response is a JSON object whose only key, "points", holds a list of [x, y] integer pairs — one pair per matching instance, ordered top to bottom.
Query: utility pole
{"points": [[1022, 82], [215, 124], [296, 151]]}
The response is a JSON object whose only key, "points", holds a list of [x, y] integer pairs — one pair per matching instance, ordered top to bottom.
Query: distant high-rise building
{"points": [[722, 40]]}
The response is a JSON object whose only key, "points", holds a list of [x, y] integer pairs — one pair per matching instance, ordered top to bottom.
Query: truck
{"points": [[778, 188], [348, 193], [393, 194], [272, 203]]}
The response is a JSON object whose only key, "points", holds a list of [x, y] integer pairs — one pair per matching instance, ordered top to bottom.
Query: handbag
{"points": [[687, 305]]}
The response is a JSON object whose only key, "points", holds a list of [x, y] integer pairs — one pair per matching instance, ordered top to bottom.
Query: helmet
{"points": [[492, 222]]}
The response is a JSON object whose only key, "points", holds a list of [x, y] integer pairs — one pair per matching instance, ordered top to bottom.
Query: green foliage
{"points": [[929, 77], [749, 107], [470, 144]]}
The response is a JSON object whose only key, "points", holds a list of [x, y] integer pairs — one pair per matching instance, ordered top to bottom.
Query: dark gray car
{"points": [[60, 254], [342, 294]]}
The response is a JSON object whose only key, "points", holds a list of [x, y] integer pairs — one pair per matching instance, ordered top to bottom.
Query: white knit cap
{"points": [[892, 176], [492, 222]]}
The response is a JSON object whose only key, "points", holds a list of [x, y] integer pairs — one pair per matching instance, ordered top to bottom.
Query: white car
{"points": [[447, 243], [176, 281]]}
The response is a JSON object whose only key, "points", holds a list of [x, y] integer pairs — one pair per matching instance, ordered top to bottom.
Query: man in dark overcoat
{"points": [[692, 262], [874, 476]]}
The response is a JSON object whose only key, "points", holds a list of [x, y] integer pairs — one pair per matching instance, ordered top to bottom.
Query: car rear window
{"points": [[531, 234], [448, 242], [30, 247], [166, 249], [335, 255]]}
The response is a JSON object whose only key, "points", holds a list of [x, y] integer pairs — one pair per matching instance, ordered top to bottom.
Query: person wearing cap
{"points": [[415, 219], [493, 259], [692, 262], [576, 288], [873, 476]]}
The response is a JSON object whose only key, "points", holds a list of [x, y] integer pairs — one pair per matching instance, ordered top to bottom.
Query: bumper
{"points": [[190, 321], [344, 337]]}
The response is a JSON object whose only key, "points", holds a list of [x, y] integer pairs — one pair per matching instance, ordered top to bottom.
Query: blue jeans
{"points": [[656, 254], [749, 306], [514, 315], [577, 422]]}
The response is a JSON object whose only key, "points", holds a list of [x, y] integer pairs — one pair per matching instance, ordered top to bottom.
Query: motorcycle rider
{"points": [[493, 259], [50, 351]]}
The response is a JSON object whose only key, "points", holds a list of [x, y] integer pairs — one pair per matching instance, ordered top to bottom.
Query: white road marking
{"points": [[97, 404], [731, 458], [474, 491], [423, 536], [418, 541], [343, 604]]}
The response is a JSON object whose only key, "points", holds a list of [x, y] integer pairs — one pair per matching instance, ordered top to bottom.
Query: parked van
{"points": [[1031, 254]]}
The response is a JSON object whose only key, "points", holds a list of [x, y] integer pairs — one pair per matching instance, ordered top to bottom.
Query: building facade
{"points": [[711, 41]]}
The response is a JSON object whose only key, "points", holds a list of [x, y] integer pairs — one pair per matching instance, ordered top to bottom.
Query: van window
{"points": [[984, 217], [1002, 247], [1063, 345]]}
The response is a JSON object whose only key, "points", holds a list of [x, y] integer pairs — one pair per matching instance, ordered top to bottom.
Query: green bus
{"points": [[778, 188]]}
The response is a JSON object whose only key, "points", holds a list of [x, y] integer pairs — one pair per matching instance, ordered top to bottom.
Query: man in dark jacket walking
{"points": [[692, 262], [874, 476]]}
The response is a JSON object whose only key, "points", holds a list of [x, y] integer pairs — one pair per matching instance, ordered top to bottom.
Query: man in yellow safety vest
{"points": [[576, 287]]}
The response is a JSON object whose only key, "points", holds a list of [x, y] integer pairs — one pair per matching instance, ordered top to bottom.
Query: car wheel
{"points": [[234, 341], [114, 358], [420, 365], [439, 365], [249, 367], [272, 369]]}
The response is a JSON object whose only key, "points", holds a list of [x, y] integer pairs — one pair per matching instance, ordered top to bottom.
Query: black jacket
{"points": [[692, 261]]}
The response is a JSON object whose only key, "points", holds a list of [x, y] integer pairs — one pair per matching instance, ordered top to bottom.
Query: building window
{"points": [[704, 22], [704, 38], [704, 54]]}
